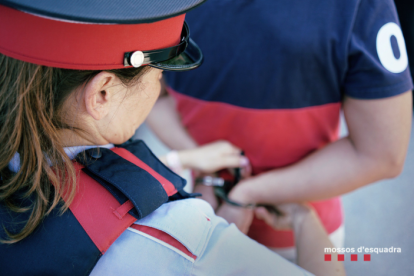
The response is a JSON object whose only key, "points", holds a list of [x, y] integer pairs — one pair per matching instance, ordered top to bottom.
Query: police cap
{"points": [[99, 34]]}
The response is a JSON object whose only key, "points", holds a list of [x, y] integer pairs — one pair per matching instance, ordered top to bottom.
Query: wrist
{"points": [[183, 155], [188, 158], [174, 161], [244, 192], [300, 214]]}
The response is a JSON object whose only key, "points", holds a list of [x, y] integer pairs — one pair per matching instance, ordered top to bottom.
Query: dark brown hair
{"points": [[31, 100]]}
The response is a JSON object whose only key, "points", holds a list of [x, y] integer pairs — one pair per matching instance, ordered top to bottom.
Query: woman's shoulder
{"points": [[188, 221], [176, 233], [185, 237]]}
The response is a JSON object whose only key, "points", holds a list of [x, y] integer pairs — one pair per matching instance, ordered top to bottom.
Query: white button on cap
{"points": [[137, 59]]}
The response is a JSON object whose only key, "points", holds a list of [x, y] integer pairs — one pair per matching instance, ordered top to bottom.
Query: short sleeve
{"points": [[377, 55]]}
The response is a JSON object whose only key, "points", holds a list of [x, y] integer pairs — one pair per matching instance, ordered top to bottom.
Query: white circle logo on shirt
{"points": [[384, 48]]}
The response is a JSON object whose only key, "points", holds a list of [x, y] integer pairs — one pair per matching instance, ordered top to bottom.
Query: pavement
{"points": [[377, 216]]}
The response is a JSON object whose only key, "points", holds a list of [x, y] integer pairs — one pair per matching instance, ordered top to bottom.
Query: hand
{"points": [[213, 157], [208, 195], [241, 217], [293, 217]]}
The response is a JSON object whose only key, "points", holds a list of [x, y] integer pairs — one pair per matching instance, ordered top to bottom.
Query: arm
{"points": [[165, 122], [375, 149], [211, 157], [310, 236]]}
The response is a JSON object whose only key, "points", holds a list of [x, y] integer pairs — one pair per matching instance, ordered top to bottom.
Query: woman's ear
{"points": [[97, 96]]}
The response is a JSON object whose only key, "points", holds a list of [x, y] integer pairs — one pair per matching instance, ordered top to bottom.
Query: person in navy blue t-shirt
{"points": [[275, 78]]}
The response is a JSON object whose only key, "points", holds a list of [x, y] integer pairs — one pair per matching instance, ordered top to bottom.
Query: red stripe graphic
{"points": [[270, 138]]}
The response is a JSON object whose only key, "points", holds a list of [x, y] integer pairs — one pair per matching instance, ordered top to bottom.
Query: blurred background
{"points": [[405, 10], [380, 215]]}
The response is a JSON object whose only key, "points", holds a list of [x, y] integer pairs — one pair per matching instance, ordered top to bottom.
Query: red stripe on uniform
{"points": [[167, 185], [93, 207], [122, 210], [102, 217], [160, 235]]}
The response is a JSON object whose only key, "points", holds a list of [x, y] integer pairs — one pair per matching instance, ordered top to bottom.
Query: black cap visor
{"points": [[182, 57], [190, 59]]}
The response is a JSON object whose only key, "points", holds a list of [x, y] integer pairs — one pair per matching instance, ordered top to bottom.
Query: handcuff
{"points": [[223, 185], [221, 189]]}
